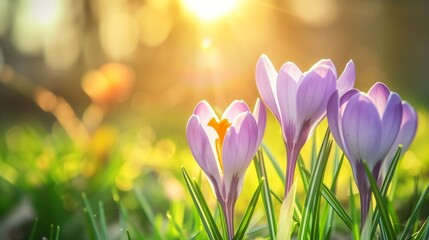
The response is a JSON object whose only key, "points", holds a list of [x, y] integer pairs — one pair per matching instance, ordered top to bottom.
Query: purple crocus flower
{"points": [[299, 100], [366, 127], [224, 148]]}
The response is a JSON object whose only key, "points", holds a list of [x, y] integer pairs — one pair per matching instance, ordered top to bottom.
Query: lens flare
{"points": [[208, 10]]}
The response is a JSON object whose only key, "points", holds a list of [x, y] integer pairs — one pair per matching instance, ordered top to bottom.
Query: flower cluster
{"points": [[368, 127]]}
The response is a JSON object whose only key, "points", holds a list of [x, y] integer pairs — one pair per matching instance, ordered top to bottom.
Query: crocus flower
{"points": [[299, 100], [366, 127], [224, 148]]}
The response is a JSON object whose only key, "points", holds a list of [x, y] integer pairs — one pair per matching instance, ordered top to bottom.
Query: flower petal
{"points": [[326, 62], [266, 77], [347, 79], [287, 87], [379, 93], [313, 94], [234, 109], [205, 112], [260, 115], [334, 120], [391, 122], [361, 128], [406, 133], [240, 145], [202, 148]]}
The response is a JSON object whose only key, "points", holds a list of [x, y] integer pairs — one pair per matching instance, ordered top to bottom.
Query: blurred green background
{"points": [[95, 95]]}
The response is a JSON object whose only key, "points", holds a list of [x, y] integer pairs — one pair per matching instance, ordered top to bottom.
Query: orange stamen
{"points": [[220, 128]]}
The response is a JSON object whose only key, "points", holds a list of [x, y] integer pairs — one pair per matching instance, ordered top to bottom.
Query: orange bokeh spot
{"points": [[109, 84]]}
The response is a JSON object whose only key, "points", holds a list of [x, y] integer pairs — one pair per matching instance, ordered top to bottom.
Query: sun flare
{"points": [[208, 10]]}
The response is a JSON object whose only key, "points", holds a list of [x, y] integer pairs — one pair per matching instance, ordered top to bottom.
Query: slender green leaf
{"points": [[258, 161], [275, 163], [302, 168], [333, 202], [144, 204], [381, 205], [202, 208], [219, 215], [413, 217], [309, 220], [245, 221], [88, 223], [92, 223], [103, 223], [355, 223], [175, 225], [34, 229], [285, 229], [51, 233], [57, 233], [423, 233], [128, 235]]}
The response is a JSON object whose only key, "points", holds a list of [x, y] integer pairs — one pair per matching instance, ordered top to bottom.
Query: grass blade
{"points": [[258, 160], [275, 163], [386, 183], [312, 200], [333, 202], [144, 204], [202, 208], [414, 215], [91, 218], [245, 221], [355, 222], [103, 223], [386, 225], [33, 229], [57, 233], [423, 233]]}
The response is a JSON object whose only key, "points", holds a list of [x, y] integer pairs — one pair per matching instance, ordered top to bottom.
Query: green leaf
{"points": [[258, 161], [275, 163], [385, 186], [334, 203], [144, 204], [381, 205], [202, 208], [414, 214], [90, 217], [309, 220], [245, 221], [103, 223], [355, 223], [175, 225], [33, 229], [285, 229], [57, 233], [423, 233], [128, 235]]}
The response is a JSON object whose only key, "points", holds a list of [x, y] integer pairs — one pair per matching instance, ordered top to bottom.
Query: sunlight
{"points": [[208, 10]]}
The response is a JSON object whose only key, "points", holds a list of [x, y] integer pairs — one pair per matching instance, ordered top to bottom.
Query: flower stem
{"points": [[292, 156], [228, 212]]}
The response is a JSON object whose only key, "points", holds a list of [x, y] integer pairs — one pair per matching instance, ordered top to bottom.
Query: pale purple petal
{"points": [[326, 62], [266, 77], [347, 79], [287, 87], [379, 93], [313, 94], [234, 109], [205, 112], [260, 115], [334, 120], [391, 122], [361, 128], [406, 133], [240, 145], [201, 148]]}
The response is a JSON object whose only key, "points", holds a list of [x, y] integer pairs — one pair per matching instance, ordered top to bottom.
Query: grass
{"points": [[128, 184]]}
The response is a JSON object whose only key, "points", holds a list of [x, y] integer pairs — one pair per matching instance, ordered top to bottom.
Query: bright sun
{"points": [[208, 10]]}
